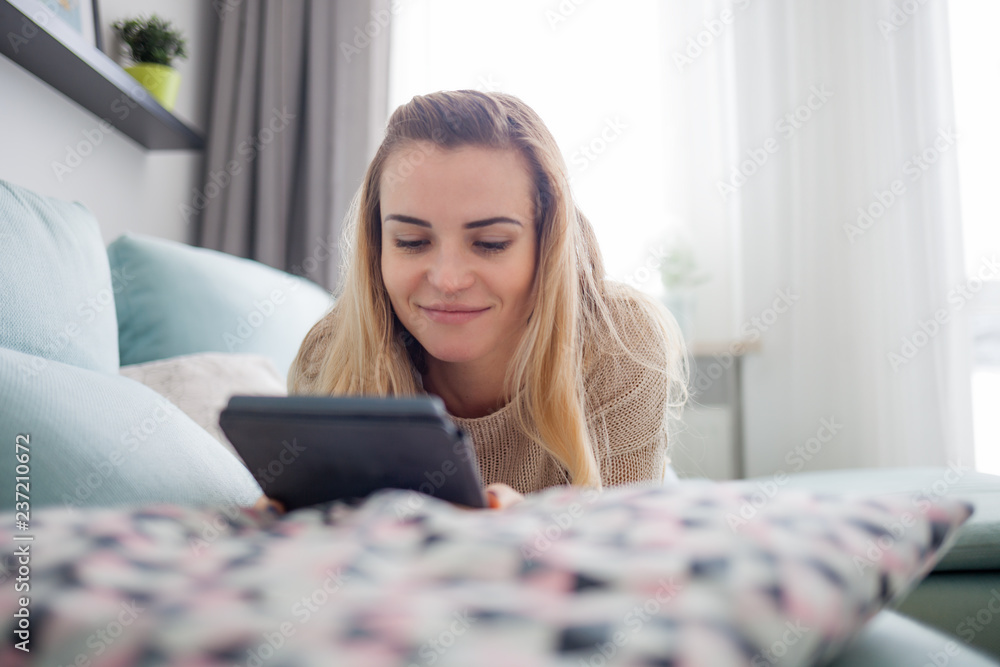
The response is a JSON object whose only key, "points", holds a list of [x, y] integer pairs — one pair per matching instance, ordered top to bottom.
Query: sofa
{"points": [[115, 362]]}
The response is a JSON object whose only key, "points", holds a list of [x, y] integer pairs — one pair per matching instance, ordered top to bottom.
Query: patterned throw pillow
{"points": [[696, 574]]}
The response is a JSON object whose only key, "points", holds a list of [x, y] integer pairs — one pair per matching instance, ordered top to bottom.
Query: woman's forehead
{"points": [[426, 180]]}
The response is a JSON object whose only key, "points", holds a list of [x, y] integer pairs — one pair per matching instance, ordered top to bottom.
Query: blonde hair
{"points": [[361, 348]]}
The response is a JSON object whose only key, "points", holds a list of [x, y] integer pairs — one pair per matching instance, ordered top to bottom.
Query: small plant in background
{"points": [[152, 40], [153, 45], [679, 269], [681, 273]]}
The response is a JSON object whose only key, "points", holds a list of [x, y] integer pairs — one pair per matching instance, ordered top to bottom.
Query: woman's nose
{"points": [[450, 272]]}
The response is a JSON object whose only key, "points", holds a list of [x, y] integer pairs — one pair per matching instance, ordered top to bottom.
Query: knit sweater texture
{"points": [[626, 416]]}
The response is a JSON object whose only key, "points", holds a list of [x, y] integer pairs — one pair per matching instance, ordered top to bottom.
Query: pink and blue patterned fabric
{"points": [[697, 574]]}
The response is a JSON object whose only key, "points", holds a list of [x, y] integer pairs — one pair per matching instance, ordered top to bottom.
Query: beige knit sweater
{"points": [[626, 412], [626, 416]]}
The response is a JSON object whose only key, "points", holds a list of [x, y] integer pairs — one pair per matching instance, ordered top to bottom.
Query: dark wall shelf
{"points": [[60, 57]]}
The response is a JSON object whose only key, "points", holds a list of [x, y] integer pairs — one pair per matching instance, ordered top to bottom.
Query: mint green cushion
{"points": [[178, 299], [56, 300], [103, 440], [978, 544], [963, 603], [893, 640]]}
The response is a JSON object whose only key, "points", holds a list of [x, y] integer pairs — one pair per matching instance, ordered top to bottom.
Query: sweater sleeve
{"points": [[627, 397], [647, 463]]}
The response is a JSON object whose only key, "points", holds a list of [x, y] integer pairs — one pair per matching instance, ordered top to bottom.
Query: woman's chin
{"points": [[454, 354]]}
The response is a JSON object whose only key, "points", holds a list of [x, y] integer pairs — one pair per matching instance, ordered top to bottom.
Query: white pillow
{"points": [[201, 384]]}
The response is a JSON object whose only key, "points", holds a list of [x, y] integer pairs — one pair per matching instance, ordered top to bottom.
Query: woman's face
{"points": [[458, 248]]}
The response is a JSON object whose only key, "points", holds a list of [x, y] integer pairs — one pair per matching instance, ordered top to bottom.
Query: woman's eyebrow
{"points": [[469, 225]]}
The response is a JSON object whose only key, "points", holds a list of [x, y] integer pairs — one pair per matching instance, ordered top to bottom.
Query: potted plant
{"points": [[153, 44], [680, 274]]}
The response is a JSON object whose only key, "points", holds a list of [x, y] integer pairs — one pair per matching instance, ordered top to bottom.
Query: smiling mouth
{"points": [[455, 310], [452, 315]]}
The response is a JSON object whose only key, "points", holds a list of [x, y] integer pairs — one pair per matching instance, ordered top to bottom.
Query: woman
{"points": [[471, 275]]}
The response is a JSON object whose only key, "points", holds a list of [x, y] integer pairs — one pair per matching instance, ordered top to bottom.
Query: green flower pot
{"points": [[161, 81]]}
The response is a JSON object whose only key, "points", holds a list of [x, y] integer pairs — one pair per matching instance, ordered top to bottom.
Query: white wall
{"points": [[128, 187]]}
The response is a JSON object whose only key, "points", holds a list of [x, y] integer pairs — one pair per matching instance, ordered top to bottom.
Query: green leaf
{"points": [[151, 40]]}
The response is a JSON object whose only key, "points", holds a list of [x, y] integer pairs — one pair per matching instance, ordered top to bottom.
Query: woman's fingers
{"points": [[500, 496], [265, 504]]}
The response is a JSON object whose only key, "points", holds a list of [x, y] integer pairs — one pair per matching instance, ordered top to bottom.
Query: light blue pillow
{"points": [[56, 299], [178, 299], [94, 439]]}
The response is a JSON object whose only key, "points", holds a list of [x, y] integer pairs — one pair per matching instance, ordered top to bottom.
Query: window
{"points": [[975, 64]]}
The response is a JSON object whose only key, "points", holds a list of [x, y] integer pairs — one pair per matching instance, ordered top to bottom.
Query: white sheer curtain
{"points": [[867, 84]]}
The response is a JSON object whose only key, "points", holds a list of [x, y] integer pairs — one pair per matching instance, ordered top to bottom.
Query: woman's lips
{"points": [[451, 316]]}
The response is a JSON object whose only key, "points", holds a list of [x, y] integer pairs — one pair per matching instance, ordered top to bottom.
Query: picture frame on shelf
{"points": [[82, 16]]}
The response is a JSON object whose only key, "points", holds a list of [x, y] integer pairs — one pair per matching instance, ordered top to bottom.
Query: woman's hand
{"points": [[500, 496], [265, 504]]}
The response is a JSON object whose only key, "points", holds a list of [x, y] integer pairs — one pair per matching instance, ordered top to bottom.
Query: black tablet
{"points": [[305, 450]]}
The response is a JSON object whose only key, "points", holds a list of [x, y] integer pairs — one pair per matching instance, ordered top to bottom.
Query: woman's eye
{"points": [[409, 245], [493, 246]]}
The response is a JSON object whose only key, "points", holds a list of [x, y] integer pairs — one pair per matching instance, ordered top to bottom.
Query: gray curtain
{"points": [[298, 107]]}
